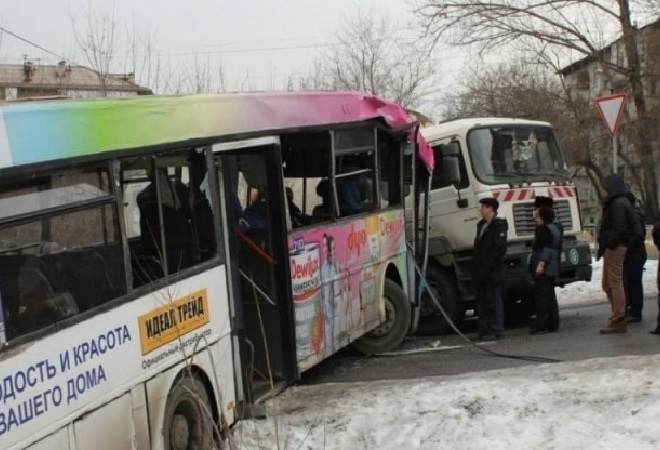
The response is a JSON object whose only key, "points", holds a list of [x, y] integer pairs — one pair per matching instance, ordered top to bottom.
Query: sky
{"points": [[259, 43]]}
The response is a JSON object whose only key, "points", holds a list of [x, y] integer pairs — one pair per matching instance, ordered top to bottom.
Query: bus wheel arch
{"points": [[398, 311], [186, 422]]}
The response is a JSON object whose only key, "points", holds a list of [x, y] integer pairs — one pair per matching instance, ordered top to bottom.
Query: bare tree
{"points": [[574, 27], [95, 34], [370, 56]]}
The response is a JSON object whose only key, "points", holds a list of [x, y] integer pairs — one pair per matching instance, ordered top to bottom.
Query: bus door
{"points": [[252, 196]]}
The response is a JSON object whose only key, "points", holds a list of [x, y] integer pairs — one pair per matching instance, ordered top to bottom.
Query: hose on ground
{"points": [[481, 348]]}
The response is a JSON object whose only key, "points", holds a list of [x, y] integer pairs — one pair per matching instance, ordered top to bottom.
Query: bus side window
{"points": [[389, 163], [306, 170], [355, 171], [169, 220], [60, 262]]}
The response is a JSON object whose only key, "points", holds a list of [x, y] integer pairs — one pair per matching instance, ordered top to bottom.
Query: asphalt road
{"points": [[419, 356]]}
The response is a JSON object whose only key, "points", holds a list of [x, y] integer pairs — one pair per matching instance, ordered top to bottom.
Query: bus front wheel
{"points": [[387, 336], [188, 423]]}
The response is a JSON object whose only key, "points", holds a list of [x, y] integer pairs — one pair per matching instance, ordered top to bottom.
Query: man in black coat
{"points": [[557, 231], [616, 233], [656, 241], [633, 266], [488, 269]]}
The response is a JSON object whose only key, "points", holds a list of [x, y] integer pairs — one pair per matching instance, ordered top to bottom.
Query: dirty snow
{"points": [[583, 292], [596, 404]]}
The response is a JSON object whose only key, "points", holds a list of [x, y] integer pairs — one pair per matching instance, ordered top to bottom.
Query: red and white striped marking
{"points": [[561, 191], [516, 195]]}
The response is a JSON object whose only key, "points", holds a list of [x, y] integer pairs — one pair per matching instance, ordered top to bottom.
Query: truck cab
{"points": [[513, 161]]}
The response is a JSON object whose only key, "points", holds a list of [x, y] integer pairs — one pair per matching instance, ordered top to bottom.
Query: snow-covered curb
{"points": [[583, 293], [609, 403]]}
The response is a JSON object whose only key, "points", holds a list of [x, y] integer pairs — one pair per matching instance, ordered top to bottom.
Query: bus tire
{"points": [[443, 285], [392, 332], [188, 422]]}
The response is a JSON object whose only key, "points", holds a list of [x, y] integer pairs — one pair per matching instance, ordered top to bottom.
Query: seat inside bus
{"points": [[39, 290]]}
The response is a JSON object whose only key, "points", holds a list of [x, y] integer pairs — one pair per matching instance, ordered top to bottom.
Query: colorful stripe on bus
{"points": [[46, 131]]}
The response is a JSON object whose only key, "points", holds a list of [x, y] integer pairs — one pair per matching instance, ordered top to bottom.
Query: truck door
{"points": [[454, 209]]}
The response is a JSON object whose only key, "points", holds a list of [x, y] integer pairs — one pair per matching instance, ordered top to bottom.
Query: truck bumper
{"points": [[575, 266]]}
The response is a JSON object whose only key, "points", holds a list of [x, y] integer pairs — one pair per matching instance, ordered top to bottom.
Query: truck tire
{"points": [[444, 288], [389, 335], [187, 424]]}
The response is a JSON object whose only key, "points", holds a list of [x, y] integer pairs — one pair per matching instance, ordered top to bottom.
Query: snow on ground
{"points": [[584, 292], [596, 404]]}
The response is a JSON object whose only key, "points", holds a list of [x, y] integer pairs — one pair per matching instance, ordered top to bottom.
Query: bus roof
{"points": [[461, 125], [47, 131]]}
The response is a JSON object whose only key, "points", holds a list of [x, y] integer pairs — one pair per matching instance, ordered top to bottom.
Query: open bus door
{"points": [[251, 191]]}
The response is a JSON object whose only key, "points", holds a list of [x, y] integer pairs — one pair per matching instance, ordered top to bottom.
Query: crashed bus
{"points": [[168, 262]]}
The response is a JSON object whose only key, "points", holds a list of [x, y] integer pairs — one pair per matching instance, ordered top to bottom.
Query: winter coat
{"points": [[618, 221], [656, 233], [637, 245], [546, 248], [489, 251]]}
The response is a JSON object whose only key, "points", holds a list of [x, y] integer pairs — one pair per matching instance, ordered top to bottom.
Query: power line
{"points": [[27, 41]]}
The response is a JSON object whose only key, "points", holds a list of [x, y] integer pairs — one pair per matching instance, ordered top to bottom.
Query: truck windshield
{"points": [[515, 154]]}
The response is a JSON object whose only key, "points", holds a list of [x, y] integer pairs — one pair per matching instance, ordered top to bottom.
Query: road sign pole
{"points": [[614, 156]]}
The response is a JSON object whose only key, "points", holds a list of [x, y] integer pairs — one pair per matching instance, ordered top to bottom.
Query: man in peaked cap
{"points": [[488, 269]]}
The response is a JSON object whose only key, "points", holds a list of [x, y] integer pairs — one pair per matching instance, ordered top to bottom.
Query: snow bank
{"points": [[583, 292], [597, 404]]}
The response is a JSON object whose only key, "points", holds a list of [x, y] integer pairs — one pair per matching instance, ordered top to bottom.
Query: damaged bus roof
{"points": [[46, 131]]}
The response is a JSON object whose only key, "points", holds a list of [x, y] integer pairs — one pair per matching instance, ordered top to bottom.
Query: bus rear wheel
{"points": [[387, 336], [187, 424]]}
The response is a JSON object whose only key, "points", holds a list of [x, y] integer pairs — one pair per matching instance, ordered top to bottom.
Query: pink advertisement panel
{"points": [[336, 283]]}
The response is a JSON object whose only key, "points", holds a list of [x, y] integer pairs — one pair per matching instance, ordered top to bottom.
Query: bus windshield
{"points": [[515, 154]]}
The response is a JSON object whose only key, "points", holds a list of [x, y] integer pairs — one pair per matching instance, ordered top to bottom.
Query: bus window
{"points": [[389, 167], [306, 169], [355, 171], [168, 214], [61, 257]]}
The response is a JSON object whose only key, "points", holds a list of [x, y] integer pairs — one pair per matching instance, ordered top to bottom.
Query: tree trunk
{"points": [[642, 134]]}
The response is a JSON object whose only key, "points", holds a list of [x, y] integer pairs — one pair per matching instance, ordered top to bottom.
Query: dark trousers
{"points": [[633, 269], [657, 280], [545, 301], [491, 310]]}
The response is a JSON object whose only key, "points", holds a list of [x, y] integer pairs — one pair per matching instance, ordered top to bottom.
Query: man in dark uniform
{"points": [[557, 232], [656, 241], [633, 265], [544, 267], [488, 269]]}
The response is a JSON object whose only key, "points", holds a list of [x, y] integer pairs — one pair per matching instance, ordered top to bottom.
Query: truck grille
{"points": [[524, 222]]}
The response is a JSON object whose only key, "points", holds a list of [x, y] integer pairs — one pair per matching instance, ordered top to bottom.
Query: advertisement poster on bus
{"points": [[335, 281]]}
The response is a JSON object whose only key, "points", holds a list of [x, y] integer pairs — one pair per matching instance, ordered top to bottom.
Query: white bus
{"points": [[157, 277]]}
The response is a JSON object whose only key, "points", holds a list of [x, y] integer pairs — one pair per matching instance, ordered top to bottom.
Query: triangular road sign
{"points": [[611, 110]]}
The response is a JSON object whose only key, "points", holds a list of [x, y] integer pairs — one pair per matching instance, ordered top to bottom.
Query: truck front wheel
{"points": [[443, 285], [388, 335]]}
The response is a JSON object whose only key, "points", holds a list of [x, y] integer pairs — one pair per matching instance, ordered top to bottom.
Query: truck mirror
{"points": [[451, 149], [450, 169]]}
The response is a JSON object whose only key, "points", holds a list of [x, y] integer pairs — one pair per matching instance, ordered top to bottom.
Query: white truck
{"points": [[514, 161]]}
